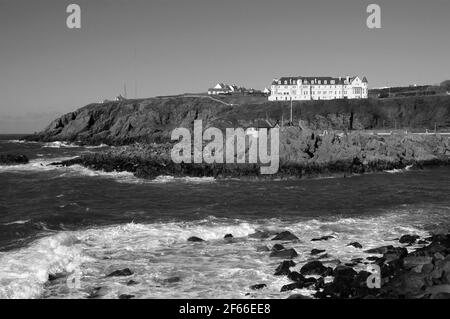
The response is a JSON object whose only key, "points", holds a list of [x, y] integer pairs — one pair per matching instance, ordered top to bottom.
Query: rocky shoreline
{"points": [[303, 154], [13, 159], [422, 273]]}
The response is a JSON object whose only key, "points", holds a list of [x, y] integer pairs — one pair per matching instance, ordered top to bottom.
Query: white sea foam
{"points": [[58, 144], [402, 170], [17, 222], [214, 268], [24, 272]]}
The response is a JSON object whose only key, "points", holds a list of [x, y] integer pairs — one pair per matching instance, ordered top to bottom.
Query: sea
{"points": [[77, 226]]}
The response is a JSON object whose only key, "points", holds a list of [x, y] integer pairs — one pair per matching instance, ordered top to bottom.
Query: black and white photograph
{"points": [[251, 151]]}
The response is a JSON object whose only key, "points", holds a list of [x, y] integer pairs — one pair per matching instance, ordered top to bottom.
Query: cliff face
{"points": [[152, 120]]}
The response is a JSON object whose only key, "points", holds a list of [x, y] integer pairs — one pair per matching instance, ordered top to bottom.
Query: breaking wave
{"points": [[166, 265]]}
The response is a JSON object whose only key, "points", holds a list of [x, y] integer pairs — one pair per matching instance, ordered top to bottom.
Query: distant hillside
{"points": [[152, 120]]}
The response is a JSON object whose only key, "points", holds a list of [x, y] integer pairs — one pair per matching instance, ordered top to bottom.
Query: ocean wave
{"points": [[58, 144], [41, 164], [402, 170], [17, 222], [158, 251], [24, 272]]}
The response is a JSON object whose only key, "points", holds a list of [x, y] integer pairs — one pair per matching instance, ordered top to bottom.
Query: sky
{"points": [[161, 47]]}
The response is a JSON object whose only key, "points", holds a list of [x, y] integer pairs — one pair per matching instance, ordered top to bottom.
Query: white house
{"points": [[221, 88], [318, 88]]}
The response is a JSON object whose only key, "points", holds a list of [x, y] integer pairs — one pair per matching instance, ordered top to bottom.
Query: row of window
{"points": [[286, 82]]}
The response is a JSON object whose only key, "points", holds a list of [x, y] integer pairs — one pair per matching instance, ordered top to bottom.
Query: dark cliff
{"points": [[152, 120]]}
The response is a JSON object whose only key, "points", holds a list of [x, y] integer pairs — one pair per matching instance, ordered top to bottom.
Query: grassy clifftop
{"points": [[152, 120]]}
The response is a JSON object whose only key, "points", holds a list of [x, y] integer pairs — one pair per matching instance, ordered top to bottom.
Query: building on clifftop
{"points": [[318, 88]]}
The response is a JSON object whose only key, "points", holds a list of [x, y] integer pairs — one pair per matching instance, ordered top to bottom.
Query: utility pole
{"points": [[291, 112]]}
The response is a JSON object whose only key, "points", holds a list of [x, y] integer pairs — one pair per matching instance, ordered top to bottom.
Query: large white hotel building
{"points": [[318, 88]]}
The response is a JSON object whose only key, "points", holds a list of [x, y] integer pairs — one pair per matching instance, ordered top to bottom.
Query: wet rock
{"points": [[13, 159], [260, 234], [228, 236], [286, 236], [322, 238], [195, 239], [408, 239], [355, 244], [278, 247], [262, 248], [379, 250], [317, 251], [286, 253], [395, 253], [324, 256], [438, 256], [372, 258], [357, 260], [413, 261], [283, 268], [313, 268], [344, 271], [121, 273], [53, 277], [296, 277], [171, 280], [308, 282], [132, 283], [320, 283], [258, 286], [289, 287], [97, 292], [124, 296], [298, 296]]}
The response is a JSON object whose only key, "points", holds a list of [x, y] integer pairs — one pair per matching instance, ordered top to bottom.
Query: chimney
{"points": [[348, 78]]}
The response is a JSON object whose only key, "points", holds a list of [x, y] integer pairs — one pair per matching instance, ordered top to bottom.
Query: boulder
{"points": [[260, 235], [228, 236], [286, 236], [322, 238], [195, 239], [408, 239], [355, 244], [278, 247], [262, 248], [380, 250], [317, 251], [285, 253], [395, 253], [413, 261], [283, 268], [313, 268], [344, 271], [121, 273], [296, 277], [171, 280], [132, 282], [308, 282], [258, 286], [289, 287], [97, 292], [125, 296]]}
